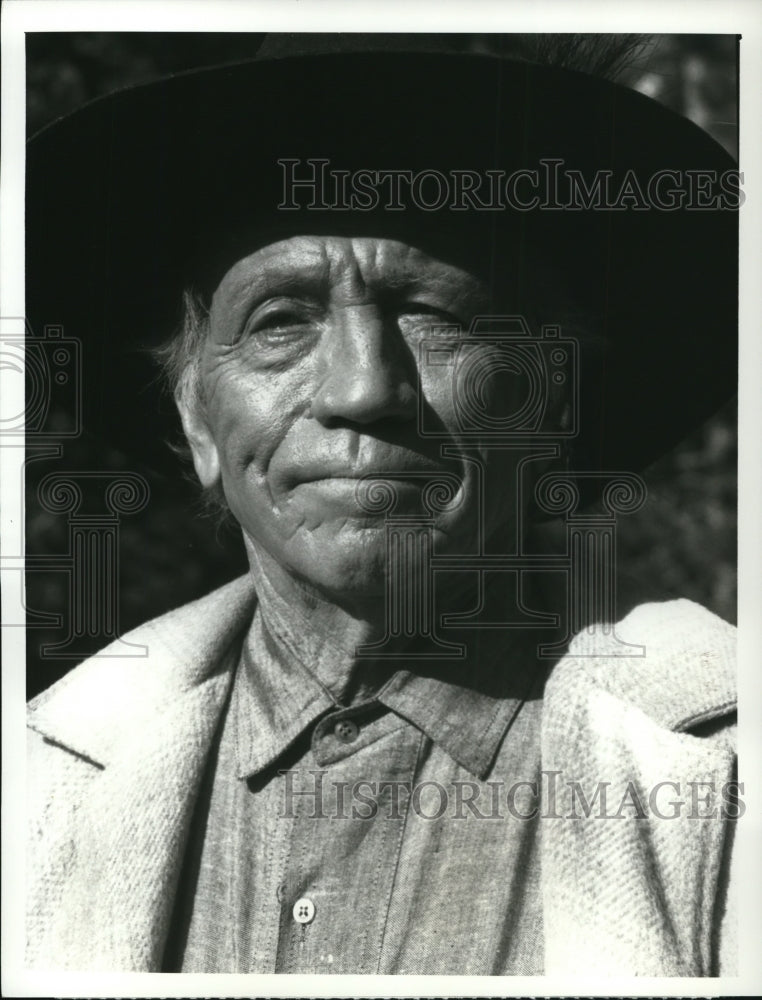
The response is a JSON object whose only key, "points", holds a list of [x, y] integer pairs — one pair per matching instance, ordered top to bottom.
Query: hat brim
{"points": [[139, 194]]}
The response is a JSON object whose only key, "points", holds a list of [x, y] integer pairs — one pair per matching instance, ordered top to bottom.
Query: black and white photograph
{"points": [[371, 542]]}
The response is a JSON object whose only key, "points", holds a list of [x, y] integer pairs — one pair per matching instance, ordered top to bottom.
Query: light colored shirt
{"points": [[386, 837]]}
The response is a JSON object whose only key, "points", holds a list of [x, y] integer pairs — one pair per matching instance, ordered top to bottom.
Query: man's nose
{"points": [[368, 372]]}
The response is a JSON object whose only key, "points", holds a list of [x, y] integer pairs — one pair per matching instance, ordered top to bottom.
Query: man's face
{"points": [[312, 376]]}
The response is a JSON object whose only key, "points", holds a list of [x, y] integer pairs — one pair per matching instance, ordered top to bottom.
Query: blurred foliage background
{"points": [[681, 544]]}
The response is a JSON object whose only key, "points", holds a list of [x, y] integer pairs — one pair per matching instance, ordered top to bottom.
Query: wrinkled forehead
{"points": [[466, 242], [355, 268]]}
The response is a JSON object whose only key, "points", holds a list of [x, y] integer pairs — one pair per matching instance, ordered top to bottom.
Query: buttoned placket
{"points": [[346, 836], [288, 887]]}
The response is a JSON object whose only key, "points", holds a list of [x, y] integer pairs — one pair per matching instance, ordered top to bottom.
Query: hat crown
{"points": [[281, 45]]}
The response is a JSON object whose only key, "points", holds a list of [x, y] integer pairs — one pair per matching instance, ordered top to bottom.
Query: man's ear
{"points": [[206, 459]]}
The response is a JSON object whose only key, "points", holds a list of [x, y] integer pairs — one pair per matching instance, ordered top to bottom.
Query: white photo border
{"points": [[743, 17]]}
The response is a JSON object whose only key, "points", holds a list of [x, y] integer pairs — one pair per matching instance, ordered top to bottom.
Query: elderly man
{"points": [[328, 765]]}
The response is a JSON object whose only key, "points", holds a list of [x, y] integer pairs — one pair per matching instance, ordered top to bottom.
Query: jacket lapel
{"points": [[144, 728], [630, 885]]}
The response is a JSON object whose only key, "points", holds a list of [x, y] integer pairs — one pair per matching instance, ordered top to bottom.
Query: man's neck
{"points": [[327, 636]]}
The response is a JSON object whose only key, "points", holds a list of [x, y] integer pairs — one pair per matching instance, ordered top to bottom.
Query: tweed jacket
{"points": [[118, 747]]}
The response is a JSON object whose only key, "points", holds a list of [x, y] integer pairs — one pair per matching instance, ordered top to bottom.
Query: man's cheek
{"points": [[467, 386], [439, 389], [246, 424]]}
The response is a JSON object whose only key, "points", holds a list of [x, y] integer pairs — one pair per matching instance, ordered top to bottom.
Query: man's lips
{"points": [[404, 468], [403, 475], [370, 495]]}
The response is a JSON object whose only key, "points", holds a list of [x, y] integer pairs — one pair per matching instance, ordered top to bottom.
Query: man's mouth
{"points": [[399, 466], [419, 476], [370, 491]]}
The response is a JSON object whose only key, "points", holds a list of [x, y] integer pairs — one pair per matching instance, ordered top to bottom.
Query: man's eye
{"points": [[425, 309], [429, 320], [279, 321], [276, 323]]}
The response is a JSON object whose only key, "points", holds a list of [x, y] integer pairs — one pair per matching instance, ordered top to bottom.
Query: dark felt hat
{"points": [[147, 191]]}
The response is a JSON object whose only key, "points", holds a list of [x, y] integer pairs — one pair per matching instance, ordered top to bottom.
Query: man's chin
{"points": [[346, 563]]}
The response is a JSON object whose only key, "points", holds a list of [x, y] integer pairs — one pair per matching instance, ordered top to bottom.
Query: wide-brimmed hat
{"points": [[143, 193]]}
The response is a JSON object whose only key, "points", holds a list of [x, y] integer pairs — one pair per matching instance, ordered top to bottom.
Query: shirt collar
{"points": [[275, 699], [465, 706], [469, 720]]}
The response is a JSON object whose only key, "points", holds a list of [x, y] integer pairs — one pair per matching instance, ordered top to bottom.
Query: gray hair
{"points": [[180, 357], [180, 362]]}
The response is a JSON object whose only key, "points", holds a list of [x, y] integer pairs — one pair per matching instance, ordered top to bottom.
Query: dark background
{"points": [[681, 544]]}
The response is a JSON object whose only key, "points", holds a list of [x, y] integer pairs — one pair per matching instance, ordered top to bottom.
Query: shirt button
{"points": [[346, 731], [304, 911]]}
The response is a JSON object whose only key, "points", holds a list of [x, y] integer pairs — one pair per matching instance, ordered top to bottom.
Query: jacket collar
{"points": [[694, 651], [96, 710], [147, 722], [613, 722]]}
